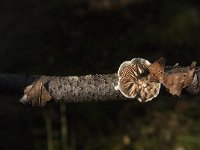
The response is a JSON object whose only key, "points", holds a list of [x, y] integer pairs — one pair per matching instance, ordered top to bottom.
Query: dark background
{"points": [[79, 37]]}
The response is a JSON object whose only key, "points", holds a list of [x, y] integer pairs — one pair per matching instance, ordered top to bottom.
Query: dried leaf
{"points": [[156, 70], [178, 79], [174, 82], [194, 86], [36, 94], [45, 96]]}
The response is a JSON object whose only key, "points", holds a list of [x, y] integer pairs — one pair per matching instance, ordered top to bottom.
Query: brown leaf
{"points": [[156, 70], [188, 78], [178, 79], [174, 82], [194, 87], [36, 94], [45, 96]]}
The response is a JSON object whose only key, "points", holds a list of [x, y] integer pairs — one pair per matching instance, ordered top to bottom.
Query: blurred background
{"points": [[79, 37]]}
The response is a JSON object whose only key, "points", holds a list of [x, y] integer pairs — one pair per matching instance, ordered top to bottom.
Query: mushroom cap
{"points": [[133, 82]]}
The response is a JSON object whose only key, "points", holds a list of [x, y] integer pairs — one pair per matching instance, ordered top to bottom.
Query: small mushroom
{"points": [[134, 82]]}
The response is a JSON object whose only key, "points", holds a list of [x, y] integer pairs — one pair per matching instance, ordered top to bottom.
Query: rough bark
{"points": [[85, 88], [68, 89]]}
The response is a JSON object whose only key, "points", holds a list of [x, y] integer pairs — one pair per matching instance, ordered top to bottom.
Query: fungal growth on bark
{"points": [[140, 79], [135, 82]]}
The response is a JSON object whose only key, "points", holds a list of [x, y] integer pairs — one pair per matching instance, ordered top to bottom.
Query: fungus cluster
{"points": [[140, 79], [134, 81]]}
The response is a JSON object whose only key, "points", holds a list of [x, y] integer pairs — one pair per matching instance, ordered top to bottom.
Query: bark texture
{"points": [[84, 88], [68, 89]]}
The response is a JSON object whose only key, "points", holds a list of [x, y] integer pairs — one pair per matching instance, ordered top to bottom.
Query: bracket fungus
{"points": [[134, 81]]}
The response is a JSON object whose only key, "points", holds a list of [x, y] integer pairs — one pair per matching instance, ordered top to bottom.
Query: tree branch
{"points": [[72, 88], [68, 89]]}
